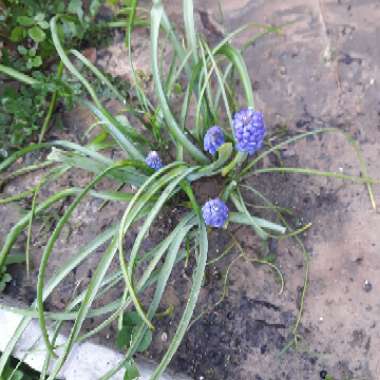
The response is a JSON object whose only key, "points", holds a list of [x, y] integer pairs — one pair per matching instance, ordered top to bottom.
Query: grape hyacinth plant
{"points": [[249, 130], [213, 140], [231, 151], [153, 160], [215, 213]]}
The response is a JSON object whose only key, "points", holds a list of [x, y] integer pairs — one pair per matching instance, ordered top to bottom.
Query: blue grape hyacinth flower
{"points": [[249, 130], [214, 138], [153, 160], [215, 213]]}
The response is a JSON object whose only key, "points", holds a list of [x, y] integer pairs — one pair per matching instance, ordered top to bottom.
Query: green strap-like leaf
{"points": [[191, 37], [236, 58], [17, 75], [103, 79], [117, 130], [178, 134], [240, 205], [133, 208], [242, 218], [176, 238], [52, 240], [53, 282], [92, 290], [191, 303]]}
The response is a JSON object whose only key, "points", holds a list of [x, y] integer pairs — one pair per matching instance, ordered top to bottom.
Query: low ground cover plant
{"points": [[26, 108], [164, 156]]}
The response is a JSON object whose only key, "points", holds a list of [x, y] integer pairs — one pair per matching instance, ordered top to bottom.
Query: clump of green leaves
{"points": [[25, 29], [28, 47], [21, 110], [5, 277], [125, 336], [131, 371]]}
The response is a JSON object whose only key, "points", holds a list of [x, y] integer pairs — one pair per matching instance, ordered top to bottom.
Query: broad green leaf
{"points": [[75, 7], [94, 7], [39, 17], [25, 21], [43, 24], [17, 34], [36, 34], [22, 50], [32, 51], [36, 61], [15, 259], [6, 278], [132, 318], [131, 325], [124, 337], [145, 341], [131, 371]]}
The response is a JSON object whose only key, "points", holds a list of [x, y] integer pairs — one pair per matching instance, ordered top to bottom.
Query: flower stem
{"points": [[239, 158]]}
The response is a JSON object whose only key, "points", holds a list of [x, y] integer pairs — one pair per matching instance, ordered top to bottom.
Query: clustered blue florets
{"points": [[249, 130], [214, 138], [153, 160], [215, 213]]}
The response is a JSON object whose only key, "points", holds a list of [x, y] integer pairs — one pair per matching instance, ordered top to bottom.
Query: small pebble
{"points": [[367, 286], [164, 337]]}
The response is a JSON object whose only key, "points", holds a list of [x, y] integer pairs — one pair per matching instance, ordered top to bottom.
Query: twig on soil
{"points": [[263, 262]]}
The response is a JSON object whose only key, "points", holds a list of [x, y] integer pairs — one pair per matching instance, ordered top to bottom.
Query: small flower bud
{"points": [[213, 139], [153, 160]]}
